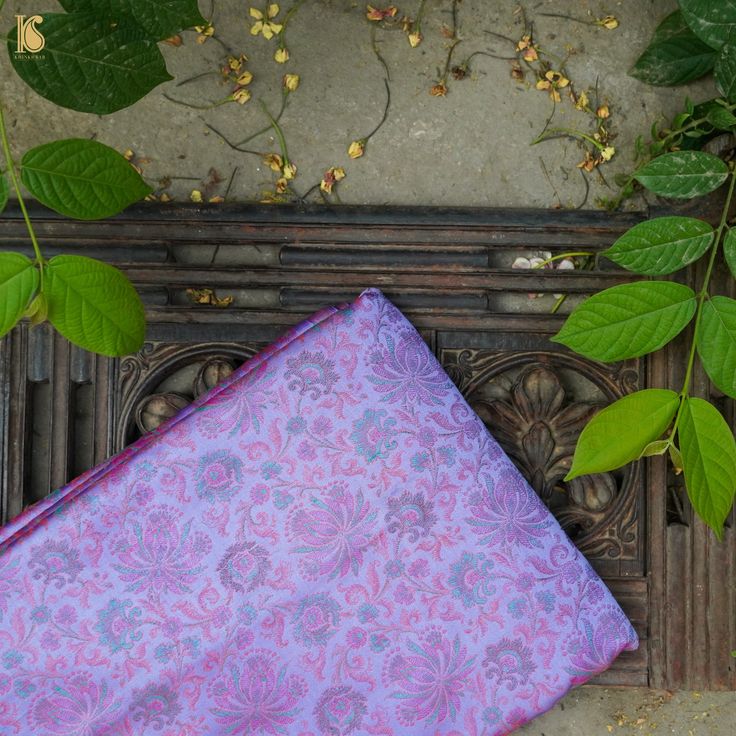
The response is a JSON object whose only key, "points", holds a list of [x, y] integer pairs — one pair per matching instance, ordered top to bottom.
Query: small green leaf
{"points": [[158, 18], [714, 21], [674, 61], [90, 65], [725, 73], [721, 119], [683, 174], [80, 178], [4, 191], [662, 245], [729, 250], [18, 283], [94, 305], [38, 311], [629, 320], [716, 341], [619, 434], [658, 447], [676, 459], [709, 461]]}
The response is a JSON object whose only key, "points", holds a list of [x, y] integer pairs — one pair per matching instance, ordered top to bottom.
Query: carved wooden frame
{"points": [[63, 410]]}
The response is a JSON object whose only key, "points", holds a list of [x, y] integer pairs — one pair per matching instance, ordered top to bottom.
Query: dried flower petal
{"points": [[610, 22], [415, 38], [281, 56], [245, 78], [291, 82], [438, 90], [241, 96], [582, 102], [603, 112], [356, 149], [608, 153], [273, 161], [289, 171], [282, 185]]}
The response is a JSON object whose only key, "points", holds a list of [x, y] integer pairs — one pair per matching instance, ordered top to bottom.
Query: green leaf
{"points": [[158, 18], [714, 21], [673, 25], [677, 60], [90, 65], [725, 73], [721, 118], [683, 174], [80, 178], [4, 191], [662, 245], [729, 250], [18, 283], [94, 305], [629, 320], [716, 341], [619, 434], [658, 447], [676, 459], [709, 461]]}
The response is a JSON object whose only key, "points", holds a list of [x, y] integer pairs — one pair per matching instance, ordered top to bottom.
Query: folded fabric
{"points": [[328, 543]]}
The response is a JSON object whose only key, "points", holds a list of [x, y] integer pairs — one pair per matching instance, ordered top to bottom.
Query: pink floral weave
{"points": [[329, 543]]}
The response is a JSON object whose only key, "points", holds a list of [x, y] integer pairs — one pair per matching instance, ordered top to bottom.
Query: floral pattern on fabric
{"points": [[330, 543]]}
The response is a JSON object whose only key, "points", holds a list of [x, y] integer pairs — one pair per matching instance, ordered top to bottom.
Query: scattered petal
{"points": [[273, 10], [255, 13], [610, 22], [415, 38], [281, 56], [245, 78], [291, 82], [439, 90], [241, 96], [603, 112], [356, 149], [608, 153], [274, 162], [289, 171], [196, 195], [208, 296]]}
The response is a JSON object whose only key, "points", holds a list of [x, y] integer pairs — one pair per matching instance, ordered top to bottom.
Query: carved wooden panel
{"points": [[63, 410]]}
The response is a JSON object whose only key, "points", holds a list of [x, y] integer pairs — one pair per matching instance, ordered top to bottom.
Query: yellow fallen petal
{"points": [[273, 10], [255, 13], [610, 22], [275, 27], [256, 28], [267, 32], [415, 38], [281, 56], [245, 78], [291, 82], [241, 96], [603, 112], [356, 149], [608, 153], [273, 161], [289, 171], [339, 173], [282, 185], [196, 195]]}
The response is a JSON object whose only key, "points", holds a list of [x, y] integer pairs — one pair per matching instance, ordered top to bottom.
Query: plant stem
{"points": [[385, 113], [279, 133], [16, 185], [562, 256], [702, 296]]}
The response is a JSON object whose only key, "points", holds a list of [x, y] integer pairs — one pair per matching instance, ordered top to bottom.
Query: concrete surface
{"points": [[471, 147]]}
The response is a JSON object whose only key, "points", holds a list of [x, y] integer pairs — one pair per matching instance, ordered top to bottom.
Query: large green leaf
{"points": [[158, 18], [712, 20], [673, 25], [677, 60], [89, 64], [725, 72], [683, 174], [80, 178], [3, 192], [662, 245], [729, 251], [18, 283], [94, 305], [629, 320], [717, 342], [620, 433], [709, 461]]}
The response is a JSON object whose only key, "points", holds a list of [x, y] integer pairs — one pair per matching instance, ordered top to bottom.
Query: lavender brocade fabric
{"points": [[329, 543]]}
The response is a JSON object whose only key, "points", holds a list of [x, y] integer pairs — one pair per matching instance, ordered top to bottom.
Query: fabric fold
{"points": [[328, 543]]}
